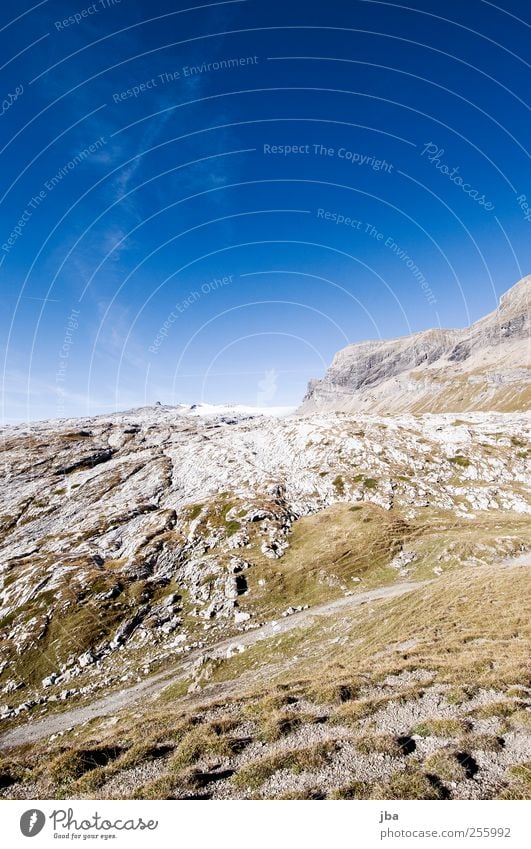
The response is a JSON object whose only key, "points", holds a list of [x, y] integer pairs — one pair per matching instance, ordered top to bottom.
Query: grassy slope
{"points": [[343, 548], [350, 548], [289, 711]]}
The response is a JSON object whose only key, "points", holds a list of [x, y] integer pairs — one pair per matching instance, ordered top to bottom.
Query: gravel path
{"points": [[114, 702]]}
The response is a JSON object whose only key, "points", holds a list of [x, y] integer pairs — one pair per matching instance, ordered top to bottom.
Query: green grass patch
{"points": [[459, 460], [253, 774]]}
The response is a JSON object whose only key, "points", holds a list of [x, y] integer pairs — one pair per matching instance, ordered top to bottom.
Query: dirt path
{"points": [[114, 702]]}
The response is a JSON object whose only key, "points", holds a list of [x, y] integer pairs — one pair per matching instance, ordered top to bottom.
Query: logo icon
{"points": [[32, 822]]}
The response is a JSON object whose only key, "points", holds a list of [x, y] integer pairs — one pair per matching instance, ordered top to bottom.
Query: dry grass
{"points": [[326, 551], [474, 625], [453, 639], [456, 642], [336, 692], [519, 692], [461, 694], [262, 708], [501, 708], [352, 712], [520, 719], [277, 725], [441, 727], [480, 743], [198, 744], [384, 744], [74, 763], [448, 765], [12, 773], [252, 775], [519, 782], [410, 783], [159, 788], [352, 790], [298, 795]]}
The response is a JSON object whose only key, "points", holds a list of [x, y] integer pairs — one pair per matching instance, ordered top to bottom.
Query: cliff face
{"points": [[483, 367]]}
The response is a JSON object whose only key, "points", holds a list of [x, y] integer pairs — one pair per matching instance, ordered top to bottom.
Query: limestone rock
{"points": [[483, 367]]}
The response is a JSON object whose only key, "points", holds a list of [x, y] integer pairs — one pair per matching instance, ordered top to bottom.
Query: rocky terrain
{"points": [[483, 367], [156, 554], [202, 602]]}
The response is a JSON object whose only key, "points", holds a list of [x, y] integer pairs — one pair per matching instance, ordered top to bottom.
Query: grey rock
{"points": [[436, 370], [88, 461]]}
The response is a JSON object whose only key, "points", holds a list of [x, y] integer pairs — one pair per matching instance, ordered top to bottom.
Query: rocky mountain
{"points": [[483, 367], [131, 537], [202, 602], [191, 606]]}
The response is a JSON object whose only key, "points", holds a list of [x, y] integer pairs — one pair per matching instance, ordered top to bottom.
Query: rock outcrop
{"points": [[483, 367], [166, 530]]}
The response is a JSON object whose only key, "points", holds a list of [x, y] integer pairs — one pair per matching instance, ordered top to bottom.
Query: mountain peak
{"points": [[518, 295], [482, 367]]}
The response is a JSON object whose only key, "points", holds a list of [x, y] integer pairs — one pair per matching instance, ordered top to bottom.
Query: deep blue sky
{"points": [[177, 190]]}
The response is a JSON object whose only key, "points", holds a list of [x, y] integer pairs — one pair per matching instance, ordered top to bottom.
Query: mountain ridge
{"points": [[481, 367]]}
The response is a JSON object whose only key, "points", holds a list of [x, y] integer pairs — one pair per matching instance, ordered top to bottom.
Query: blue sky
{"points": [[205, 204]]}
